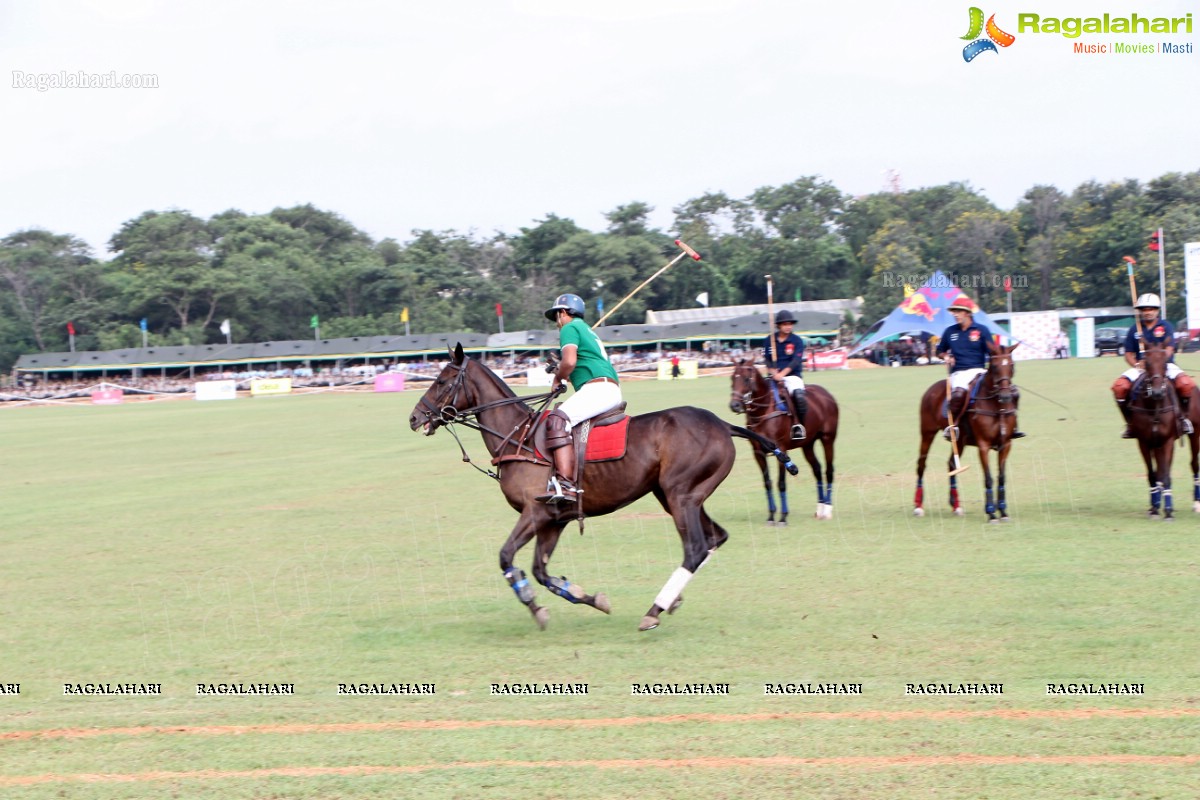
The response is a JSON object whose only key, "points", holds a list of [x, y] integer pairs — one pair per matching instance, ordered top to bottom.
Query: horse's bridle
{"points": [[749, 406], [448, 414]]}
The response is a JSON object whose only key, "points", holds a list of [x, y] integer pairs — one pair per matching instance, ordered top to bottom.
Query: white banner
{"points": [[1191, 282], [1038, 332], [1085, 337], [538, 377], [216, 390]]}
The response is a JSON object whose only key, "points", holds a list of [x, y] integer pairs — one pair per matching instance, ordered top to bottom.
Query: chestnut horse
{"points": [[752, 395], [1154, 420], [987, 423], [679, 455]]}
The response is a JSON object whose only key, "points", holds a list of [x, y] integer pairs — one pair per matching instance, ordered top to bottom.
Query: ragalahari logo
{"points": [[994, 37]]}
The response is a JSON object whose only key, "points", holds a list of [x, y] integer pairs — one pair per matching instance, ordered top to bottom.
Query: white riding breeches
{"points": [[1133, 373], [962, 379], [793, 383], [590, 400]]}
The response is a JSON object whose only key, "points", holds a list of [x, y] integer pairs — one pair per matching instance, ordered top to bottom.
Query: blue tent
{"points": [[925, 310]]}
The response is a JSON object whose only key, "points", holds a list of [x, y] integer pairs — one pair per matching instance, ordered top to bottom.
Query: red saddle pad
{"points": [[608, 443]]}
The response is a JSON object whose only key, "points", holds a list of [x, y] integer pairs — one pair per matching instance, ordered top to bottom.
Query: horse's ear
{"points": [[1012, 347], [457, 355]]}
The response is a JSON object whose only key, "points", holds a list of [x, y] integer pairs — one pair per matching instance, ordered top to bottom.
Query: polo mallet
{"points": [[687, 251], [1137, 317], [771, 319], [958, 466]]}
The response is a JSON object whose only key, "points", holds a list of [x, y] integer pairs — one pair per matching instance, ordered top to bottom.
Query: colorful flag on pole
{"points": [[702, 299], [599, 305], [499, 310], [404, 314], [315, 322], [143, 323], [70, 328], [225, 329]]}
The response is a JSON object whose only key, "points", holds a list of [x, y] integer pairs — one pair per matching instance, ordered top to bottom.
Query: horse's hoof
{"points": [[1196, 507], [958, 511], [918, 512], [993, 520], [770, 523], [600, 603], [675, 605], [542, 617], [649, 623]]}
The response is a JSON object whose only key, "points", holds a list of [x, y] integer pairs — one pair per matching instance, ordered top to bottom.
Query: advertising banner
{"points": [[389, 382], [267, 386], [216, 390], [107, 397]]}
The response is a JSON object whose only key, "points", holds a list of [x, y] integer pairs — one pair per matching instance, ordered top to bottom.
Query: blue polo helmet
{"points": [[571, 303]]}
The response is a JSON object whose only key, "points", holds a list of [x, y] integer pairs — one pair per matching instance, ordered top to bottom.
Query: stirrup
{"points": [[1186, 425], [798, 431], [946, 433], [1017, 435], [558, 490]]}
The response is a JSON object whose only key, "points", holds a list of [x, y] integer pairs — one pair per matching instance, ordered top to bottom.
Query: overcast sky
{"points": [[487, 116]]}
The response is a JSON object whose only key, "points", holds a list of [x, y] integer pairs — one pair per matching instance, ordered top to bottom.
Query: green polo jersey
{"points": [[590, 359]]}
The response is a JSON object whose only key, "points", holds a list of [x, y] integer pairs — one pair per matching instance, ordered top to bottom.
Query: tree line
{"points": [[273, 274]]}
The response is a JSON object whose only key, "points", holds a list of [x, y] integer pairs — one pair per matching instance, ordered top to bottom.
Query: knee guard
{"points": [[1184, 385], [1120, 389], [558, 430]]}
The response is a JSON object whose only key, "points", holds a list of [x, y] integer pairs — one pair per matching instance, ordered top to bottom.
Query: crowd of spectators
{"points": [[30, 386]]}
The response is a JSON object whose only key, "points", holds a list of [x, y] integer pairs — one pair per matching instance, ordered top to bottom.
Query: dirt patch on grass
{"points": [[605, 722], [720, 763]]}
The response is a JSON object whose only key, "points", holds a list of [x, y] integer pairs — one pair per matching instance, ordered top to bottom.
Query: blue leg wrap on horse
{"points": [[770, 501], [783, 502], [520, 585], [561, 587]]}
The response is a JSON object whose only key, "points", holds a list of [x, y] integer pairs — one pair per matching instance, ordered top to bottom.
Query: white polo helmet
{"points": [[1148, 300]]}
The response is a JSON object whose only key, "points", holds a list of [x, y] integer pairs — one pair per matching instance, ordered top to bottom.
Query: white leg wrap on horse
{"points": [[672, 588]]}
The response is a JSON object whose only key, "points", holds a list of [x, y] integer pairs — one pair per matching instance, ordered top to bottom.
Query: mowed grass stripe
{"points": [[931, 715], [713, 763]]}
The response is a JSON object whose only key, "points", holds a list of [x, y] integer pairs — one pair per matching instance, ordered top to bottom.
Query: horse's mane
{"points": [[502, 387]]}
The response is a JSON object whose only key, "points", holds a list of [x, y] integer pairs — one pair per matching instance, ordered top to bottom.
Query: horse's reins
{"points": [[751, 403], [450, 415]]}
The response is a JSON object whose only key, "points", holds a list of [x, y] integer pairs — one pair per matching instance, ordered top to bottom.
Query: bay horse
{"points": [[752, 395], [1193, 414], [1154, 421], [986, 423], [680, 455]]}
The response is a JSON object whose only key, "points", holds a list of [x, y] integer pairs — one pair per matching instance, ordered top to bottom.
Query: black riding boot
{"points": [[801, 403], [954, 410], [1185, 424], [1127, 433], [1016, 434]]}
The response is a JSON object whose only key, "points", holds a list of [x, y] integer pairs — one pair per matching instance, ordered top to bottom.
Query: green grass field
{"points": [[315, 540]]}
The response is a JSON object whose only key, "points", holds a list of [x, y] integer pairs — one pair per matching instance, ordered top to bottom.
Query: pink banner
{"points": [[834, 359], [389, 382], [107, 397]]}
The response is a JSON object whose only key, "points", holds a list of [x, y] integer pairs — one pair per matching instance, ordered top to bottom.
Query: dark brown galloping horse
{"points": [[752, 395], [1193, 414], [1154, 421], [987, 424], [679, 455]]}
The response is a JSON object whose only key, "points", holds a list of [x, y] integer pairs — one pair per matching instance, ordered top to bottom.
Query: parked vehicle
{"points": [[1110, 340]]}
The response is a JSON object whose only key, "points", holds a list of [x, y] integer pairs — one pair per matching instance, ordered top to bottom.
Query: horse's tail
{"points": [[767, 447]]}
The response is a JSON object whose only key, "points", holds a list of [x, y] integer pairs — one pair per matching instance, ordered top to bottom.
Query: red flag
{"points": [[1154, 242], [1007, 283], [499, 310], [70, 328]]}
